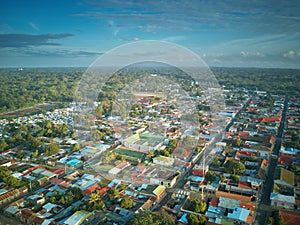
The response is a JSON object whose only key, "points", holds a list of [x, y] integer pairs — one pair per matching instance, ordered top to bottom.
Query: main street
{"points": [[207, 153], [264, 209]]}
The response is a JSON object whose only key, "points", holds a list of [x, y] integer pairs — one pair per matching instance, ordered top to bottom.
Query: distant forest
{"points": [[275, 81], [24, 88]]}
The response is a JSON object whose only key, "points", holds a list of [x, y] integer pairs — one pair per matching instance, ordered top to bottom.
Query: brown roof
{"points": [[9, 194], [234, 196], [214, 202], [27, 213], [290, 218]]}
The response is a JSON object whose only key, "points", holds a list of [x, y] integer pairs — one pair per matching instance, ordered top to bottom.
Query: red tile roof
{"points": [[271, 119], [244, 133], [199, 172], [91, 189], [104, 190]]}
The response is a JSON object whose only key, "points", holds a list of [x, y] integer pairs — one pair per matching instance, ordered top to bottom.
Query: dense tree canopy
{"points": [[19, 89], [51, 149], [234, 167], [6, 177], [210, 177], [126, 203], [197, 206], [147, 218], [194, 219]]}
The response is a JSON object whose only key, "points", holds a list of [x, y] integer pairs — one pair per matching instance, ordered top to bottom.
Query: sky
{"points": [[236, 33]]}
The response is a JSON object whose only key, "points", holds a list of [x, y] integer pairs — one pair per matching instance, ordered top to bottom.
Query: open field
{"points": [[130, 155]]}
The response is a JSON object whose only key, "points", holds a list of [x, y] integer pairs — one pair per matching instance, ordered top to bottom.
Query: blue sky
{"points": [[237, 33]]}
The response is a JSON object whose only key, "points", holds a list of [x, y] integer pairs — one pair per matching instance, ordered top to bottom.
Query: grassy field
{"points": [[151, 138], [130, 155]]}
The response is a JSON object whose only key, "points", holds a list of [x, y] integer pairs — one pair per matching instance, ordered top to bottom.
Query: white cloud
{"points": [[34, 26], [115, 29], [252, 54], [291, 54]]}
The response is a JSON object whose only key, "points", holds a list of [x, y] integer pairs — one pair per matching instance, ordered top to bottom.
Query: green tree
{"points": [[98, 111], [237, 142], [33, 143], [3, 146], [75, 147], [51, 149], [35, 154], [216, 162], [234, 167], [6, 177], [210, 177], [222, 178], [235, 178], [113, 194], [94, 197], [95, 202], [126, 203], [197, 206], [148, 217], [165, 218], [194, 219], [278, 219]]}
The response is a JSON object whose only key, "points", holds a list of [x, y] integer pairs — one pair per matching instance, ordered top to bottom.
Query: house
{"points": [[163, 160], [119, 168], [286, 179], [159, 192], [11, 195], [36, 199], [282, 200], [228, 203], [146, 206], [239, 214], [77, 218]]}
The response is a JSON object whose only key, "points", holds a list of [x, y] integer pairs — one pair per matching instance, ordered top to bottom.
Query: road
{"points": [[208, 156], [264, 209]]}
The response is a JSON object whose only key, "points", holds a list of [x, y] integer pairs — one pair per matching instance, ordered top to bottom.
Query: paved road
{"points": [[208, 157], [264, 209]]}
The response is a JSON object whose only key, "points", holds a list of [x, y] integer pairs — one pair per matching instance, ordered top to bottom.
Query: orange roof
{"points": [[252, 108], [271, 119], [244, 133], [57, 171], [199, 172], [89, 190], [104, 190], [234, 196], [290, 218], [249, 219]]}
